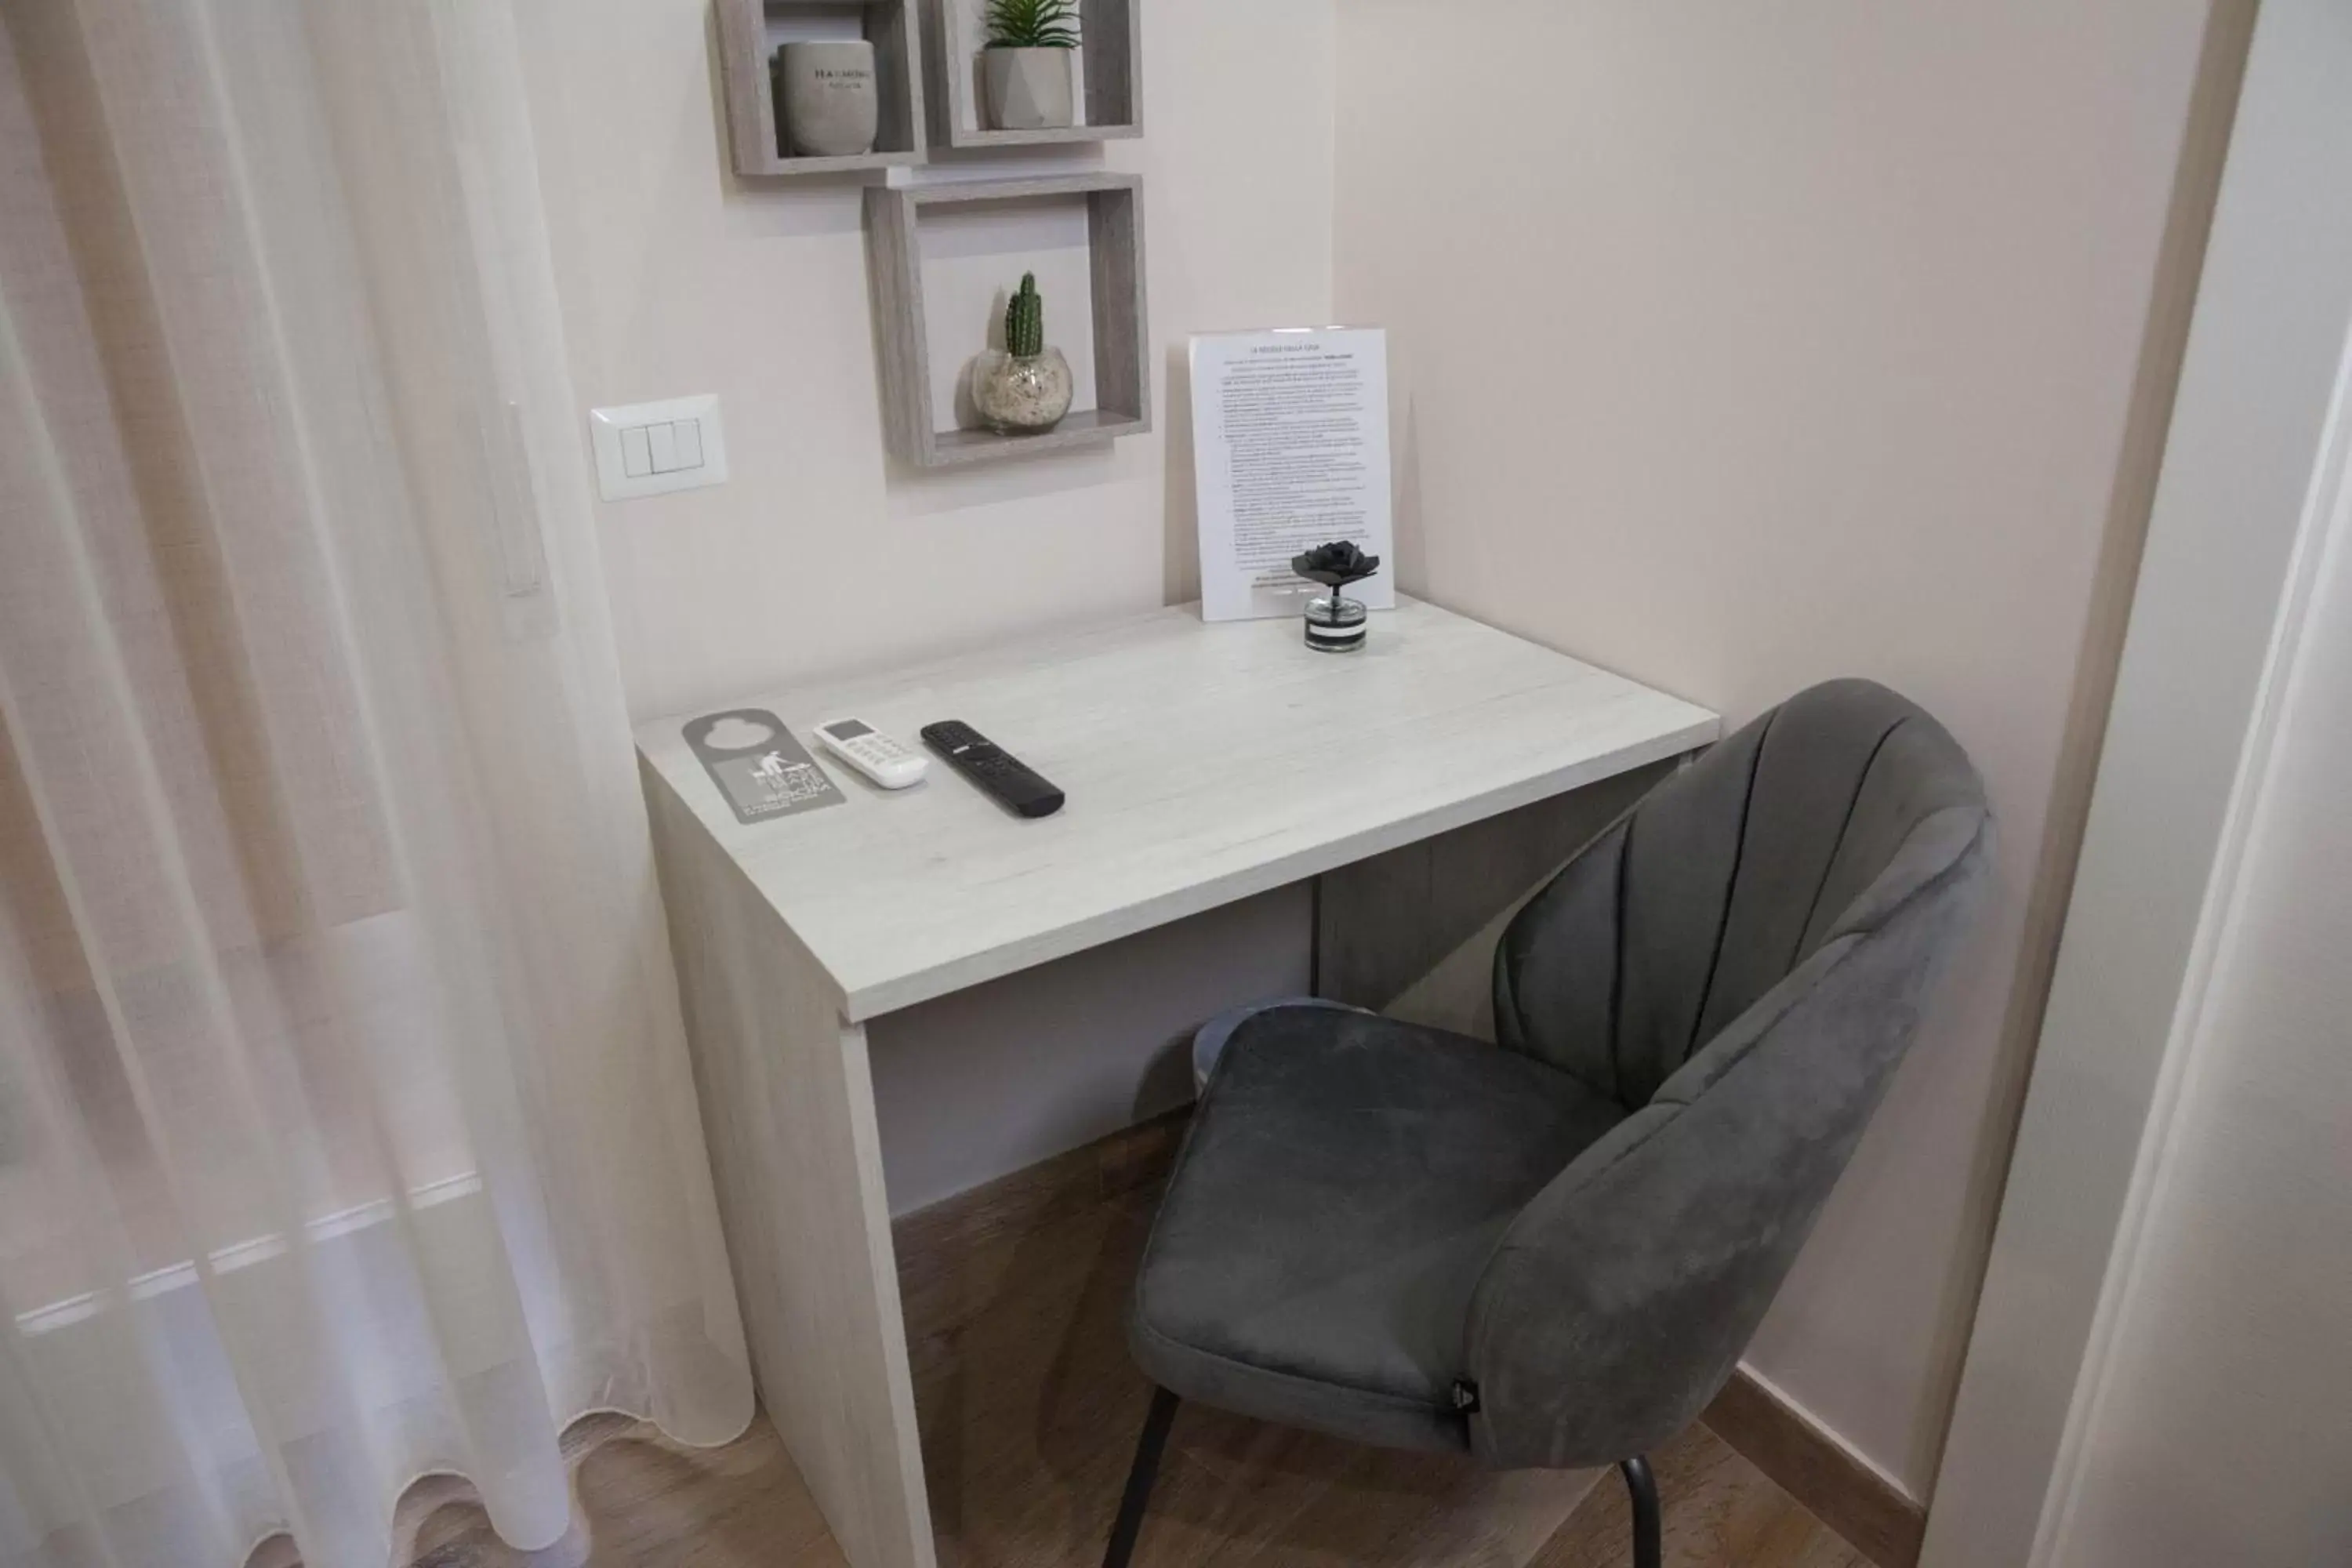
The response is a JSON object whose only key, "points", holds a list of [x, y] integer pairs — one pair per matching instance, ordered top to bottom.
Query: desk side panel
{"points": [[787, 1102]]}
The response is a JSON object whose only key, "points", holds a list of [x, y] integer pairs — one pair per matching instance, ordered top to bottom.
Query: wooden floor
{"points": [[1029, 1408], [647, 1503]]}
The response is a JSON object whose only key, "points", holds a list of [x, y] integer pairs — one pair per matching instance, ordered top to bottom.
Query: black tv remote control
{"points": [[997, 772]]}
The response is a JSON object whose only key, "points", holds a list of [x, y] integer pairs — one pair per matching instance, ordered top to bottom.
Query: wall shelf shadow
{"points": [[750, 32], [985, 229]]}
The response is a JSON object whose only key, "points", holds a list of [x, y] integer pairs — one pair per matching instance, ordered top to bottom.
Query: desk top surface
{"points": [[1202, 762]]}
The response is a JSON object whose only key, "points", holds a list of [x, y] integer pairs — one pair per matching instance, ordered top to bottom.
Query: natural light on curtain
{"points": [[346, 1132]]}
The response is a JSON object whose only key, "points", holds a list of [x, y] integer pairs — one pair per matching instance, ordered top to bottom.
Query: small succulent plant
{"points": [[1033, 23], [1025, 320], [1336, 564]]}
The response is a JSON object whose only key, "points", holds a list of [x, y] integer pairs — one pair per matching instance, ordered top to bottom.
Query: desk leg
{"points": [[1412, 933], [788, 1110]]}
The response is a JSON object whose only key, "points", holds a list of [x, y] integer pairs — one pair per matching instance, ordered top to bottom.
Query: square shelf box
{"points": [[749, 34], [1108, 67], [943, 258]]}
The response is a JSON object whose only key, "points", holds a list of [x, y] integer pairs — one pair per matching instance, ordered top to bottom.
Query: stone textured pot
{"points": [[1029, 89], [826, 97], [1022, 394]]}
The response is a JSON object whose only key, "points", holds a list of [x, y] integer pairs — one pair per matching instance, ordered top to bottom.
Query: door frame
{"points": [[2253, 477]]}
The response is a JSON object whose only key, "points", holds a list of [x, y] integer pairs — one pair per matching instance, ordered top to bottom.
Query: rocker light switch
{"points": [[646, 449]]}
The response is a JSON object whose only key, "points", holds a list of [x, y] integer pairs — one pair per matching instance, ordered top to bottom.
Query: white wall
{"points": [[1738, 346], [819, 554], [2154, 1043], [2220, 1430]]}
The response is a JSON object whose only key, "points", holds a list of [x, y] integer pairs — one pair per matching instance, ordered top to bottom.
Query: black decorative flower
{"points": [[1336, 564]]}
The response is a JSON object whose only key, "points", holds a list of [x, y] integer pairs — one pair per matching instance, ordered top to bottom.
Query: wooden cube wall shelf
{"points": [[749, 31], [1110, 36], [1122, 363]]}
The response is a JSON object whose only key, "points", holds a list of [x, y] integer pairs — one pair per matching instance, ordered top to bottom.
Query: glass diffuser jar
{"points": [[1335, 623]]}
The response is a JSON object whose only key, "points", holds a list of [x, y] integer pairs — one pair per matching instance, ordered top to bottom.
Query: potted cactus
{"points": [[1026, 64], [1025, 387]]}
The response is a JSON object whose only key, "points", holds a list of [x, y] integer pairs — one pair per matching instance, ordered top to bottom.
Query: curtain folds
{"points": [[345, 1127]]}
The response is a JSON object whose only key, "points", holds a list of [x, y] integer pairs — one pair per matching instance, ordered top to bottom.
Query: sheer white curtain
{"points": [[346, 1132]]}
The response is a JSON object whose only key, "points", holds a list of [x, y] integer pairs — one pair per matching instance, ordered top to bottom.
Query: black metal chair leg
{"points": [[1139, 1477], [1648, 1552]]}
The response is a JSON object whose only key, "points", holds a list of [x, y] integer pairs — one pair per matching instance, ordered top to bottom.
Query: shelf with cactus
{"points": [[1026, 73], [1012, 397]]}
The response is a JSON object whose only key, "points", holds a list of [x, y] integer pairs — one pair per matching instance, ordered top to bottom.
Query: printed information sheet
{"points": [[1290, 441]]}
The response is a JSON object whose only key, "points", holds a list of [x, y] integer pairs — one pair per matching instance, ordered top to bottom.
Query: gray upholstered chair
{"points": [[1550, 1251]]}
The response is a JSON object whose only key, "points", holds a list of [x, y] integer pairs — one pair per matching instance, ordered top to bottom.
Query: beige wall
{"points": [[677, 278], [1741, 346], [1733, 350], [819, 555]]}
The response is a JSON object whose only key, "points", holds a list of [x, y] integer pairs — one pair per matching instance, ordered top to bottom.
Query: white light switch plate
{"points": [[647, 449]]}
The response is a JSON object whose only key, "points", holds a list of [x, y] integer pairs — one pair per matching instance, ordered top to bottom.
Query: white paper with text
{"points": [[1290, 442]]}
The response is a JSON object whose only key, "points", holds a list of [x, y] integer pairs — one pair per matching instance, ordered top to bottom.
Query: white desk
{"points": [[1204, 764]]}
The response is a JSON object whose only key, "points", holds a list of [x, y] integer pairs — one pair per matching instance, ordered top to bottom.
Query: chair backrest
{"points": [[1740, 962]]}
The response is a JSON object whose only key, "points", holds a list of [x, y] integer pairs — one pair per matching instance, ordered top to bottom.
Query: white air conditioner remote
{"points": [[872, 752]]}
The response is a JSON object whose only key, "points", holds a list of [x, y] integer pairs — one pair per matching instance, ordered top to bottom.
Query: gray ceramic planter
{"points": [[1028, 90], [825, 93]]}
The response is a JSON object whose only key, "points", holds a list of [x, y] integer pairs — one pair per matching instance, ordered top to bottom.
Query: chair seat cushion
{"points": [[1344, 1181]]}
